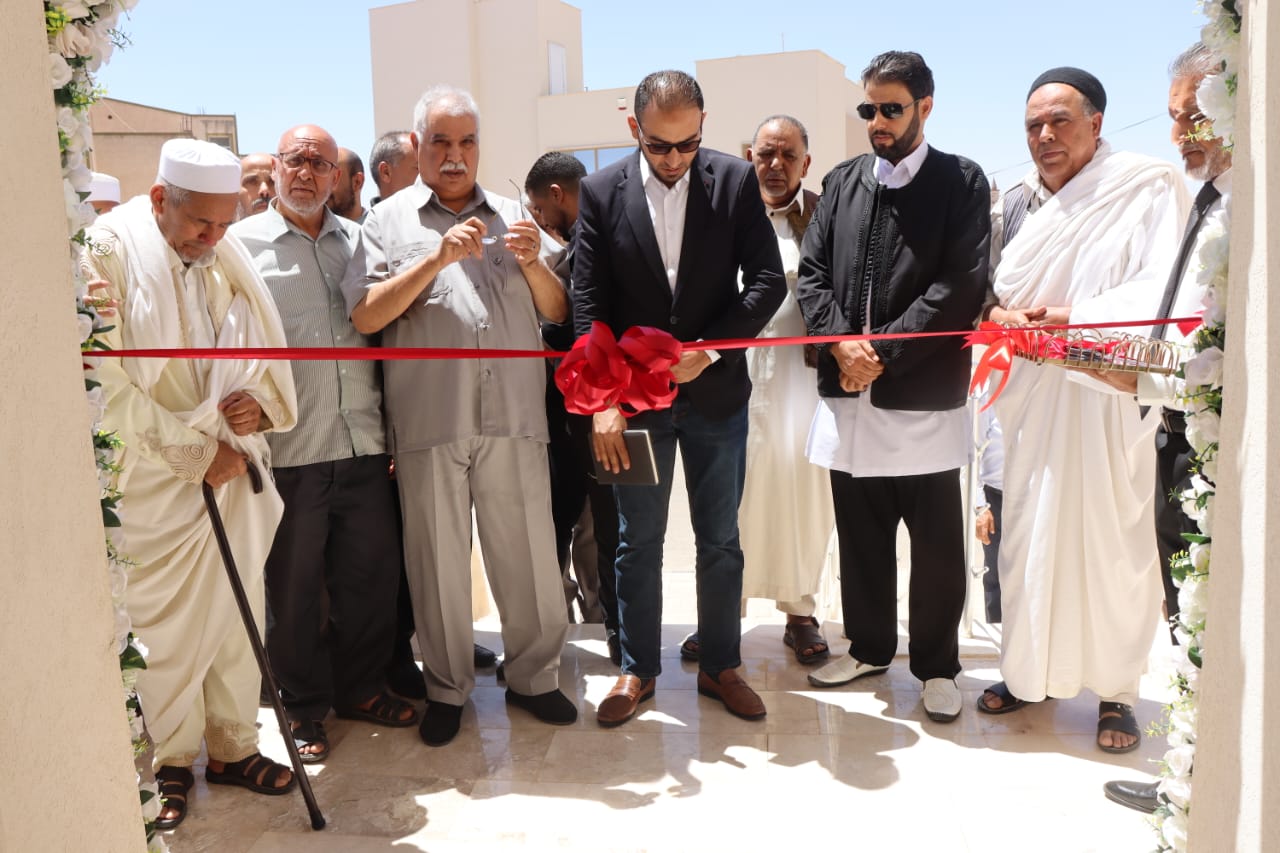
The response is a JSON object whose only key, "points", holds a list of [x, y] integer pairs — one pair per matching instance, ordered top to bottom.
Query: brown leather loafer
{"points": [[729, 688], [621, 703]]}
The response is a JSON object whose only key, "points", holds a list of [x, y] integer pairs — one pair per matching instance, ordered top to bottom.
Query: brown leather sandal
{"points": [[802, 636]]}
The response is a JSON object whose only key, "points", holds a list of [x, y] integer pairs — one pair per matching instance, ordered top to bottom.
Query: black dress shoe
{"points": [[485, 657], [405, 679], [551, 707], [440, 723], [1141, 796]]}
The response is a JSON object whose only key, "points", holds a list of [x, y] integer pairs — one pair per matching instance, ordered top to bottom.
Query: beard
{"points": [[902, 144], [1215, 163], [342, 204], [304, 207]]}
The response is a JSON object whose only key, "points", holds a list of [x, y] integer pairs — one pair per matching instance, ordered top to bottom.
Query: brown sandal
{"points": [[802, 636]]}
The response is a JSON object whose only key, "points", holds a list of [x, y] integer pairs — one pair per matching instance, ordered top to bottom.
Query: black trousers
{"points": [[1173, 476], [573, 483], [868, 510], [991, 555], [331, 582]]}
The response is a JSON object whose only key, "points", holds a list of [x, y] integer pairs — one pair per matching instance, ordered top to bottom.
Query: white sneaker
{"points": [[842, 670], [942, 699]]}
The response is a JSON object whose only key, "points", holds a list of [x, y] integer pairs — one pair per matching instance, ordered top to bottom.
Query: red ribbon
{"points": [[1001, 348], [635, 372]]}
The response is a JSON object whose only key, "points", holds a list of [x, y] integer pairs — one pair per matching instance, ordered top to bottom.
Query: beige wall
{"points": [[499, 54], [741, 91], [520, 120], [127, 139], [66, 767], [1236, 790]]}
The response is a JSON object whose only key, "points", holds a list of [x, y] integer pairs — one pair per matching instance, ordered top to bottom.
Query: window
{"points": [[557, 73], [223, 139], [597, 158]]}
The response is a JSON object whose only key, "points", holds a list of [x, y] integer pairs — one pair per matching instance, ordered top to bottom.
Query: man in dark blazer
{"points": [[662, 237]]}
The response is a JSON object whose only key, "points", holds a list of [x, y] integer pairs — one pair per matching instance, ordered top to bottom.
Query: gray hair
{"points": [[1195, 61], [459, 101], [782, 118], [174, 194]]}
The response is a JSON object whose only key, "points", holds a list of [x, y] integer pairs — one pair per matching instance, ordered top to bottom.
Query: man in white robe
{"points": [[177, 283], [786, 519], [1080, 585]]}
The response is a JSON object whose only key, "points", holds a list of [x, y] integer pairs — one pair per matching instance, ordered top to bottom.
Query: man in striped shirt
{"points": [[332, 573]]}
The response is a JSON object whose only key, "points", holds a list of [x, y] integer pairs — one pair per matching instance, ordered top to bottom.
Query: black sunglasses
{"points": [[867, 112], [660, 149]]}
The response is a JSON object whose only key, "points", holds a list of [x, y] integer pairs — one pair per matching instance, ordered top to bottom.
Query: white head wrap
{"points": [[200, 166], [104, 187]]}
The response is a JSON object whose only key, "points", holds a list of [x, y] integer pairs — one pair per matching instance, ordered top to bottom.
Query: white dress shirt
{"points": [[667, 206], [849, 434]]}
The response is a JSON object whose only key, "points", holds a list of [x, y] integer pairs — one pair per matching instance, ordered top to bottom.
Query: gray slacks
{"points": [[506, 481]]}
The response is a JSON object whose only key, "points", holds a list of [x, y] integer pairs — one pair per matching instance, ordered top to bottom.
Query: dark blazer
{"points": [[924, 250], [618, 276]]}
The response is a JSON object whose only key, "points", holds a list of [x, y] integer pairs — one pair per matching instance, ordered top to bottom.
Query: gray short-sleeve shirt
{"points": [[473, 303]]}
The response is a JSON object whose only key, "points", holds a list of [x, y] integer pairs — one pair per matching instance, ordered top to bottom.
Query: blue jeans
{"points": [[714, 454]]}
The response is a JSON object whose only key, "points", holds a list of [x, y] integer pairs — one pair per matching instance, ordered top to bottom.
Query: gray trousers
{"points": [[506, 481]]}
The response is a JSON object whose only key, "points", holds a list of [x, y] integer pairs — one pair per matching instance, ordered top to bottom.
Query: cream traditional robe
{"points": [[786, 519], [1079, 576], [201, 679]]}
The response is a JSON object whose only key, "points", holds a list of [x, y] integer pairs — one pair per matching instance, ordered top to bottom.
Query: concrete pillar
{"points": [[66, 766], [1236, 783]]}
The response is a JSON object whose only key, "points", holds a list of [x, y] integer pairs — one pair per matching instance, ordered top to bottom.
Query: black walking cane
{"points": [[250, 625]]}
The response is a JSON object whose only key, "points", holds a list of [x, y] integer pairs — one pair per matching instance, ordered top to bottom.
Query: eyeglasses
{"points": [[867, 112], [661, 149], [319, 166]]}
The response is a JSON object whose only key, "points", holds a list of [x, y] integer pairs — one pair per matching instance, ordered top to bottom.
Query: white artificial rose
{"points": [[74, 9], [74, 40], [100, 52], [59, 71], [1216, 103], [68, 121], [80, 176], [71, 200], [1215, 309], [85, 323], [92, 362], [1205, 368], [1208, 428], [1209, 468], [1205, 521], [1199, 552], [1193, 598], [1180, 760], [1178, 788], [1174, 830]]}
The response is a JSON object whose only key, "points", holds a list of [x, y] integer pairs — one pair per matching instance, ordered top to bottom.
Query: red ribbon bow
{"points": [[1002, 344], [634, 372]]}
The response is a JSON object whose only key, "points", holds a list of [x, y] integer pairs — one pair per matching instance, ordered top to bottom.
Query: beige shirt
{"points": [[474, 303]]}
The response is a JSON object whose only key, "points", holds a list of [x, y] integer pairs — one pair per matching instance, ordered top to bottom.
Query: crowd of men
{"points": [[360, 535]]}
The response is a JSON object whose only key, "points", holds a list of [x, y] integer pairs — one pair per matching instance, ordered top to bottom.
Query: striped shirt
{"points": [[339, 402]]}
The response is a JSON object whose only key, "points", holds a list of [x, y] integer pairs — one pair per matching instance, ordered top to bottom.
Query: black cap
{"points": [[1082, 81]]}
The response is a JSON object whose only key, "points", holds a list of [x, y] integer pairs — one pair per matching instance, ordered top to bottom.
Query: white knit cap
{"points": [[200, 166], [104, 187]]}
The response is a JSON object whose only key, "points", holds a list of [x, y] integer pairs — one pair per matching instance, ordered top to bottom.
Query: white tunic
{"points": [[785, 520], [1079, 575]]}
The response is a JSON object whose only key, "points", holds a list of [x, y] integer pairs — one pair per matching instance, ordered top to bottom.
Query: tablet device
{"points": [[644, 468]]}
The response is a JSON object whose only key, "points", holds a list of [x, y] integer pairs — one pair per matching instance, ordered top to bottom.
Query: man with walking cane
{"points": [[186, 423]]}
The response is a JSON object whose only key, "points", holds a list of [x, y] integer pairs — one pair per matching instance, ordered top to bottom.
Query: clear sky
{"points": [[278, 63]]}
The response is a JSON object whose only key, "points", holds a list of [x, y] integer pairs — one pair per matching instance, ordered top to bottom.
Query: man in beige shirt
{"points": [[444, 263]]}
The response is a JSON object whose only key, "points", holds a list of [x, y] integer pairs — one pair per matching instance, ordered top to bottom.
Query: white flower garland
{"points": [[81, 38], [1203, 400]]}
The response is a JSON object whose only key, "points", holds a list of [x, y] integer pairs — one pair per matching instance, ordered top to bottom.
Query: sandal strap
{"points": [[388, 707], [257, 768]]}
